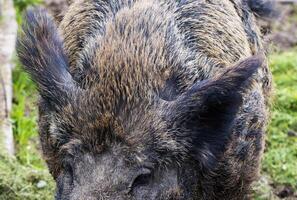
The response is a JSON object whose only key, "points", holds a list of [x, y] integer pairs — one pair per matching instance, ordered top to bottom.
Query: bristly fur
{"points": [[40, 50], [173, 91], [216, 112]]}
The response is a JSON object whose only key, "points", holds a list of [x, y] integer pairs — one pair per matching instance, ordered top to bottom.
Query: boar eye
{"points": [[142, 179]]}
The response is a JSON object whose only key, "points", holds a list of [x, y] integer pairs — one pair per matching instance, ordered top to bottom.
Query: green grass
{"points": [[24, 115], [280, 158], [20, 177], [20, 181]]}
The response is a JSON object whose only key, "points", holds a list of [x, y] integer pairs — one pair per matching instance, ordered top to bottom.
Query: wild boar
{"points": [[150, 99]]}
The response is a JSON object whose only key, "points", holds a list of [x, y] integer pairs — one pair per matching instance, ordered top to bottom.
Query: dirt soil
{"points": [[282, 31]]}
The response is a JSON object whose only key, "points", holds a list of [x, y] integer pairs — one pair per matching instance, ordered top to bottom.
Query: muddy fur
{"points": [[150, 99]]}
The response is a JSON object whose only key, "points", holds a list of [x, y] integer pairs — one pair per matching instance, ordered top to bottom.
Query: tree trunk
{"points": [[8, 32]]}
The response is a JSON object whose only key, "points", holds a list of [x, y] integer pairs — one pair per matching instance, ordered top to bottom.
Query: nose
{"points": [[96, 196]]}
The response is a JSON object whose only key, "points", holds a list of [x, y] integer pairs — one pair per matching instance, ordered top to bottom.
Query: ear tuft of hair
{"points": [[263, 8], [40, 50], [239, 76]]}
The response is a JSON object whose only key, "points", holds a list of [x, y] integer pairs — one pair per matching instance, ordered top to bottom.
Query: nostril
{"points": [[143, 178]]}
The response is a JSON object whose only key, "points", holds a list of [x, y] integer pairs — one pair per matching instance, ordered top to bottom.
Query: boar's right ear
{"points": [[40, 51], [207, 111]]}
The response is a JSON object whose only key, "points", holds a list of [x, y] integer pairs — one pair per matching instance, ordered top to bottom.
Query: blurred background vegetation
{"points": [[26, 175]]}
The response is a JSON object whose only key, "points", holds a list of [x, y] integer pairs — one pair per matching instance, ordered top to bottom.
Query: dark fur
{"points": [[263, 8], [40, 41], [149, 99]]}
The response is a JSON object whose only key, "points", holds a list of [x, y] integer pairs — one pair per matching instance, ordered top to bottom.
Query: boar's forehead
{"points": [[140, 128]]}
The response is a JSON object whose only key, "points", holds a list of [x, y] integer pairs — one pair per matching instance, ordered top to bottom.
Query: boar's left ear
{"points": [[207, 111]]}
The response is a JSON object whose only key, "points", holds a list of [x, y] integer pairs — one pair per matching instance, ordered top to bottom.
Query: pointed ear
{"points": [[40, 50], [207, 111]]}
